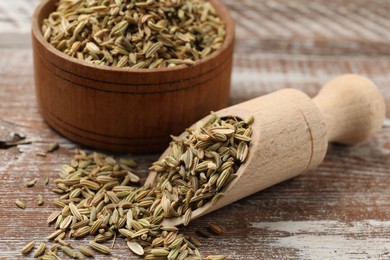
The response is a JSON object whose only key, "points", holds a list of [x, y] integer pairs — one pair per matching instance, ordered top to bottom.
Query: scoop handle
{"points": [[352, 107]]}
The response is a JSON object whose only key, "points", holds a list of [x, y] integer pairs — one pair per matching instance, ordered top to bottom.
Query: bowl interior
{"points": [[48, 6]]}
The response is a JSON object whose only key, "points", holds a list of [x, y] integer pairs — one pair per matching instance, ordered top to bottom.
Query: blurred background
{"points": [[279, 43]]}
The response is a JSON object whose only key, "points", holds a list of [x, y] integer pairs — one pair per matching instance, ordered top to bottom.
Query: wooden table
{"points": [[339, 211]]}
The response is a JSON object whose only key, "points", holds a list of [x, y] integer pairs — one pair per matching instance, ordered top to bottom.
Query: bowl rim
{"points": [[220, 8]]}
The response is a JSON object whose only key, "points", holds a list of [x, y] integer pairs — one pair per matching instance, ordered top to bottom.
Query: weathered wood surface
{"points": [[339, 211]]}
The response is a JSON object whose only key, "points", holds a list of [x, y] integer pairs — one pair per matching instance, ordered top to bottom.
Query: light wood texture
{"points": [[352, 107], [122, 109], [291, 133], [339, 211]]}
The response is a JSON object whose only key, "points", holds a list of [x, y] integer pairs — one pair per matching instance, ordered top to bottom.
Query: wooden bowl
{"points": [[127, 110]]}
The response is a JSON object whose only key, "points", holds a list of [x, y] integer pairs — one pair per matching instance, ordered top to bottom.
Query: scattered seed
{"points": [[52, 147], [41, 154], [47, 180], [31, 183], [58, 191], [40, 200], [20, 204], [75, 211], [53, 216], [66, 222], [80, 224], [95, 226], [217, 230], [81, 232], [55, 234], [60, 237], [195, 241], [62, 242], [177, 242], [28, 247], [100, 248], [135, 248], [40, 250], [68, 251], [86, 251], [159, 252], [80, 256], [48, 257]]}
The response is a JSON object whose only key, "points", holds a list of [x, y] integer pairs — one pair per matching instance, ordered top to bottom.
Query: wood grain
{"points": [[339, 211]]}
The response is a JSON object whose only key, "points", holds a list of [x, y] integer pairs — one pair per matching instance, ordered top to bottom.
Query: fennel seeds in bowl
{"points": [[135, 34]]}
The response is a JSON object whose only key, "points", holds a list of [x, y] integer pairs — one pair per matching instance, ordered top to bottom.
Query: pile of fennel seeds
{"points": [[135, 34], [98, 198]]}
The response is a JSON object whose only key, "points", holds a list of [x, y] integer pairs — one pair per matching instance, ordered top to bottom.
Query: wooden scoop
{"points": [[291, 133]]}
